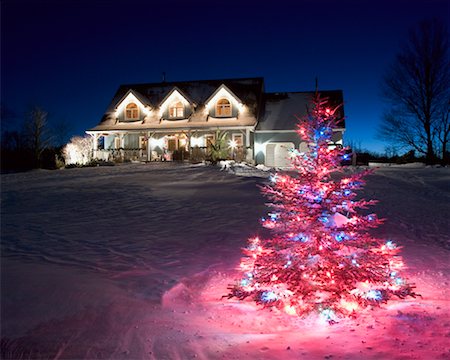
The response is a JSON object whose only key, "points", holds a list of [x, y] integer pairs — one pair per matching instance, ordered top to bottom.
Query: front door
{"points": [[172, 144], [177, 147]]}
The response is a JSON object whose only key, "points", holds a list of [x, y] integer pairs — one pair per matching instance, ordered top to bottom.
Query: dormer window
{"points": [[223, 108], [176, 110], [132, 112]]}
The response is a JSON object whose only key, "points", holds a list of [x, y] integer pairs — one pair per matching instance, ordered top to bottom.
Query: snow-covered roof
{"points": [[248, 90], [142, 99], [282, 109], [270, 111]]}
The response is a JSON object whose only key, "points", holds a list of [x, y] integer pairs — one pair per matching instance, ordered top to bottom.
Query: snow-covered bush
{"points": [[78, 151]]}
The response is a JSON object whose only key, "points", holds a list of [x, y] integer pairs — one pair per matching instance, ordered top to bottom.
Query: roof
{"points": [[249, 90], [283, 109], [268, 111]]}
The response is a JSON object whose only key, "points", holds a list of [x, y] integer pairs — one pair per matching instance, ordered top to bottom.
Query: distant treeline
{"points": [[37, 144]]}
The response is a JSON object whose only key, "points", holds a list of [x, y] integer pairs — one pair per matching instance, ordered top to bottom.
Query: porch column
{"points": [[189, 135], [122, 140], [122, 145], [149, 150], [248, 152]]}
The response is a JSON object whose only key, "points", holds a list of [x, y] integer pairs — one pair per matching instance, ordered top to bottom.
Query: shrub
{"points": [[78, 151]]}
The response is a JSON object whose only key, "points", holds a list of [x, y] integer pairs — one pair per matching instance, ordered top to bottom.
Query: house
{"points": [[198, 120]]}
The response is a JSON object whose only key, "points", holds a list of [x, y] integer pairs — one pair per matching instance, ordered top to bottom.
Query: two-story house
{"points": [[189, 120]]}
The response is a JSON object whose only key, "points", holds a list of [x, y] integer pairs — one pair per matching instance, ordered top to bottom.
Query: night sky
{"points": [[69, 57]]}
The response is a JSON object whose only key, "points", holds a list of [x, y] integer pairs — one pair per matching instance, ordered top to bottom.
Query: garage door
{"points": [[277, 154]]}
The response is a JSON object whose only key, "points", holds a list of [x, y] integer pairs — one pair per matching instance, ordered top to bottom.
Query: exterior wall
{"points": [[277, 137], [337, 137], [261, 139]]}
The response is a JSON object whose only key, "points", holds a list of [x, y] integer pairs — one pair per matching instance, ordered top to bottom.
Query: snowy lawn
{"points": [[131, 262]]}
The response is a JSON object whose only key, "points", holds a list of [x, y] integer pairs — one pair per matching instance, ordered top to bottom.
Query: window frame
{"points": [[177, 106], [220, 108], [132, 112], [238, 135]]}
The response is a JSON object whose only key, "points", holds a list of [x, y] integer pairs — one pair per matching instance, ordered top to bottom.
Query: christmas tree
{"points": [[320, 256]]}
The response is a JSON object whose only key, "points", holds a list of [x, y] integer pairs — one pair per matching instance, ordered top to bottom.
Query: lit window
{"points": [[223, 108], [176, 110], [132, 112], [238, 140]]}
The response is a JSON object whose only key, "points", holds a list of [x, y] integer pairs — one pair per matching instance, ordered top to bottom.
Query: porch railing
{"points": [[195, 155]]}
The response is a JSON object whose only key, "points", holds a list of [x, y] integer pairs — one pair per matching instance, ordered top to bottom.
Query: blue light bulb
{"points": [[374, 295], [268, 296]]}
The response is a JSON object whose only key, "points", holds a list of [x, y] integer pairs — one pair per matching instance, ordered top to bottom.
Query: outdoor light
{"points": [[196, 141], [157, 142], [232, 144], [259, 148]]}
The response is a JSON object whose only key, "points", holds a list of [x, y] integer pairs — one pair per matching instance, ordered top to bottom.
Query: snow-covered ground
{"points": [[131, 262]]}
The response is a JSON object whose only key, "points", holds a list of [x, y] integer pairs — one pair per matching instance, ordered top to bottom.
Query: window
{"points": [[223, 108], [176, 110], [132, 112], [238, 140], [101, 143]]}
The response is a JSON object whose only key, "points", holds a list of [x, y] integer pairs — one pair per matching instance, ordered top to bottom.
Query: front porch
{"points": [[193, 146]]}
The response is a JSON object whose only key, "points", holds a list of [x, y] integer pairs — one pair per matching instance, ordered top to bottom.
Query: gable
{"points": [[223, 92], [175, 95], [132, 97]]}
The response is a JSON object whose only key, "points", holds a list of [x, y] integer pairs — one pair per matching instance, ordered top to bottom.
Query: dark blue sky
{"points": [[69, 57]]}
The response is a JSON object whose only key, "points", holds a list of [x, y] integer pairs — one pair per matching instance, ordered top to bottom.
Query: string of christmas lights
{"points": [[320, 257]]}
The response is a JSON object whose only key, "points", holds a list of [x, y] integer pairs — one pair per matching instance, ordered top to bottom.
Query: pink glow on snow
{"points": [[152, 288], [290, 310]]}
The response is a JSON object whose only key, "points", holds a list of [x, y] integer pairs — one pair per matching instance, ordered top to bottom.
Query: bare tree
{"points": [[416, 87], [37, 132], [443, 134]]}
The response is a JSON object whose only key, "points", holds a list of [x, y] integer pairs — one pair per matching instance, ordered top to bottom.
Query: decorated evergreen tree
{"points": [[321, 256]]}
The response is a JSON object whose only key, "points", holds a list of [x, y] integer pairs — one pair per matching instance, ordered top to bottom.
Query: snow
{"points": [[132, 261]]}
